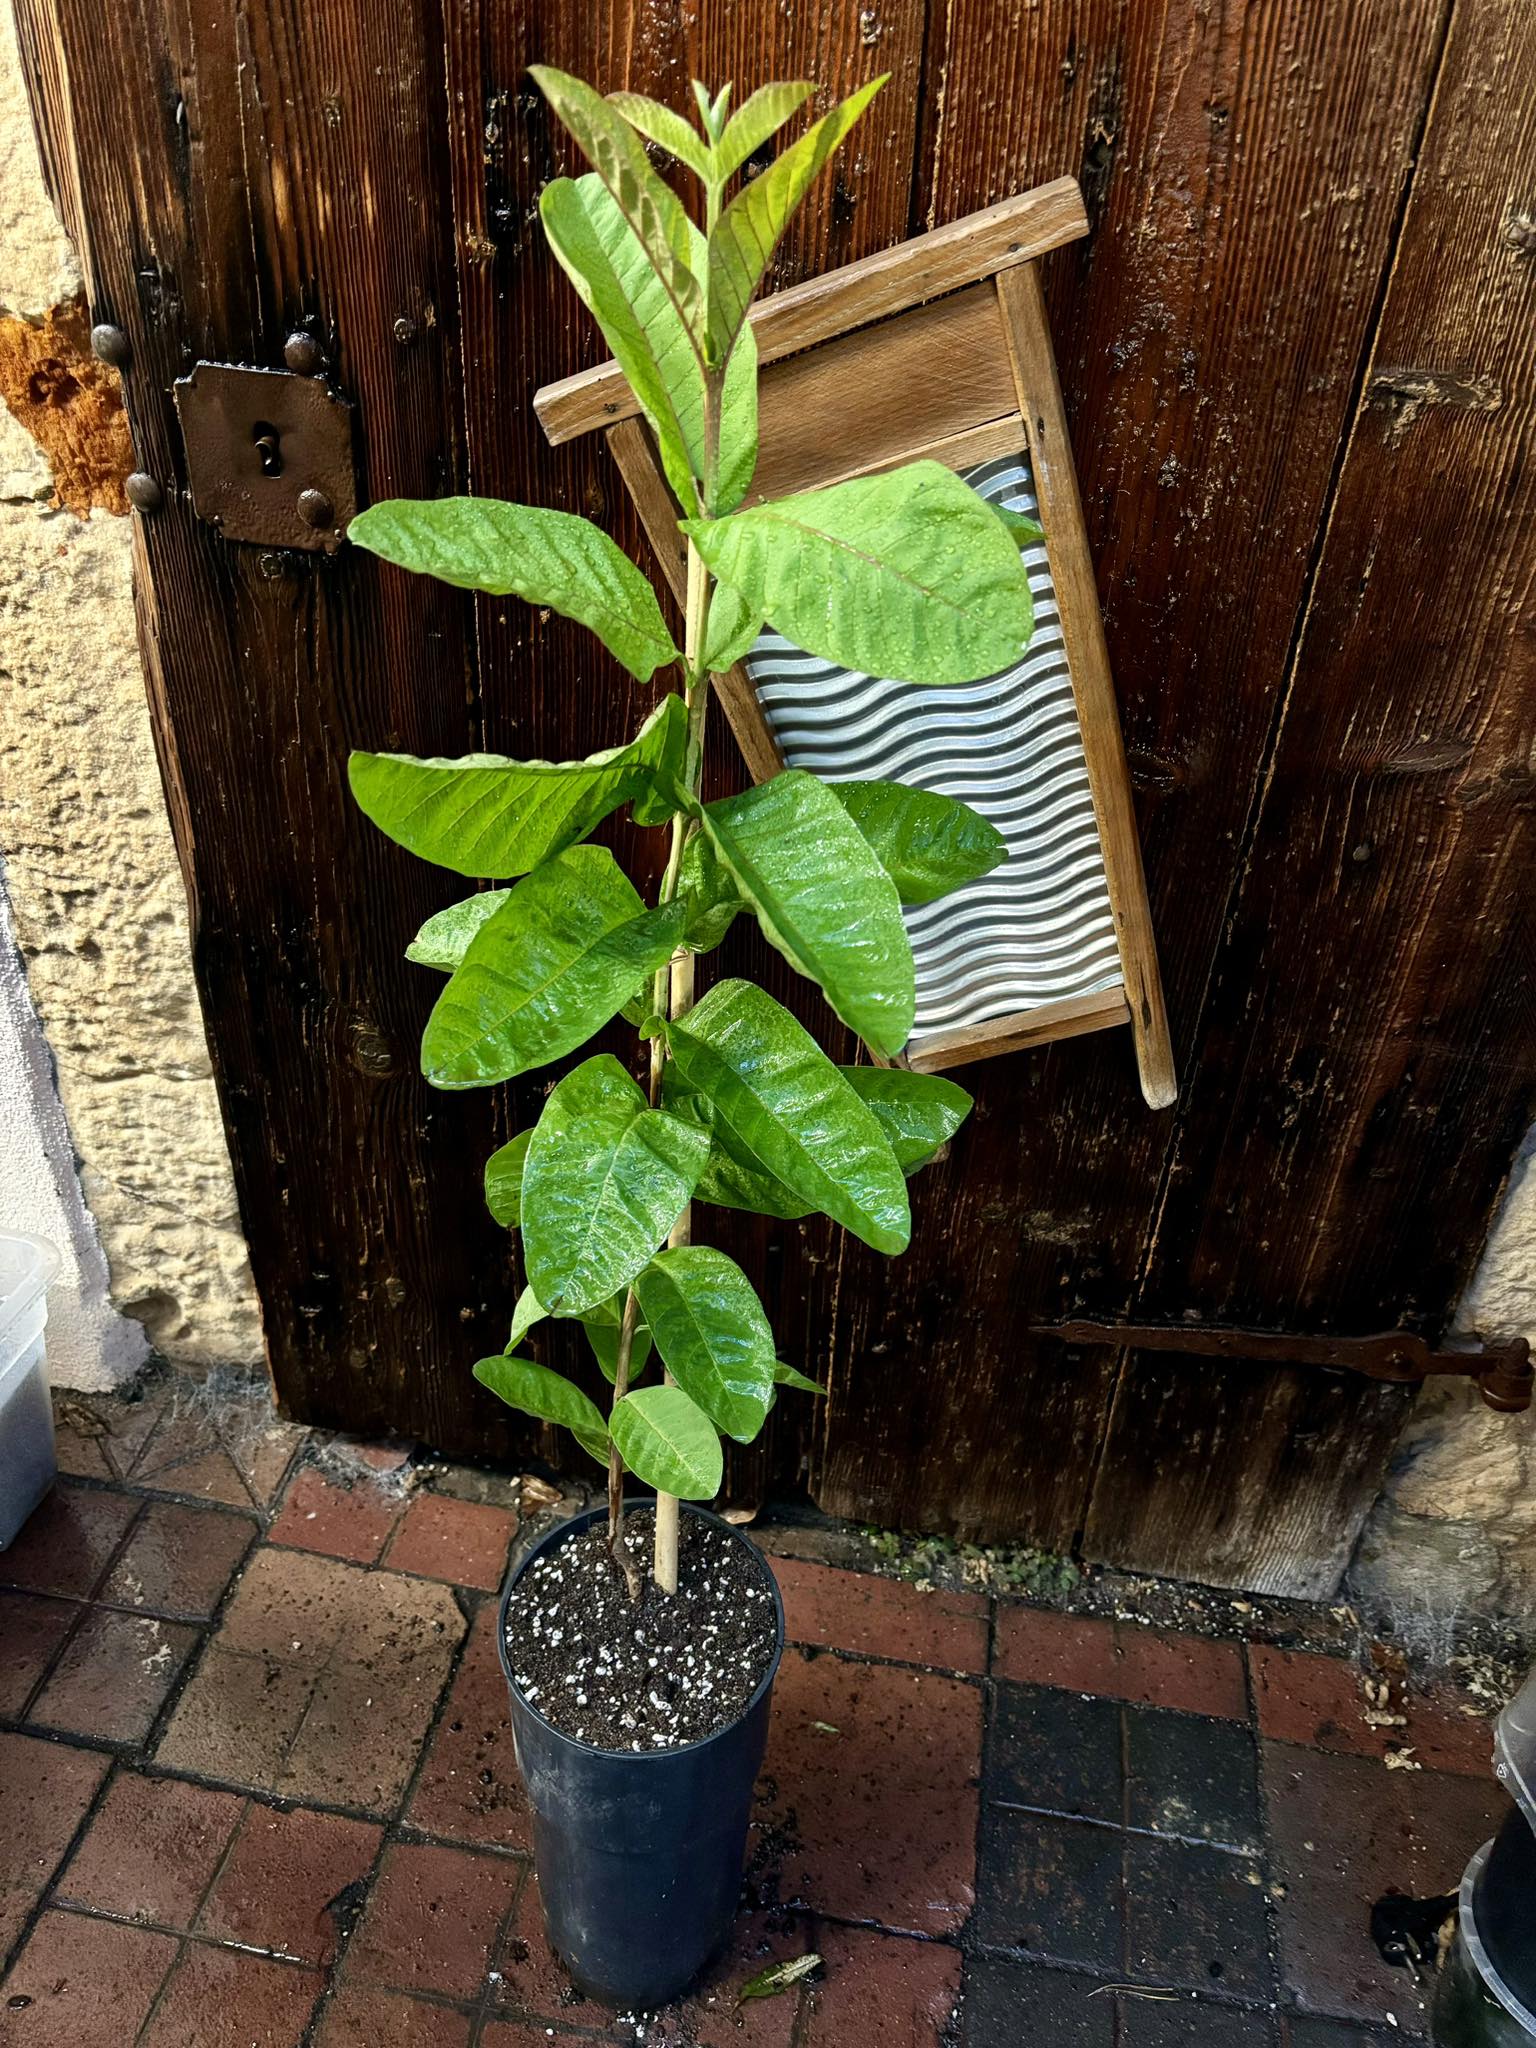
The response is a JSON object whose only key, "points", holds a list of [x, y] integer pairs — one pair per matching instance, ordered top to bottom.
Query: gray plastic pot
{"points": [[639, 1853]]}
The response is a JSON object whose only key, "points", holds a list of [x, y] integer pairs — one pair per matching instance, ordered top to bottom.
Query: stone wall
{"points": [[119, 1146]]}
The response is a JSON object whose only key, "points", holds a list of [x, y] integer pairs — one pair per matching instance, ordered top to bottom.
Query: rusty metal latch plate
{"points": [[269, 455], [1502, 1371]]}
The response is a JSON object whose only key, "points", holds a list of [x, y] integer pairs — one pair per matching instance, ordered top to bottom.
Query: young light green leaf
{"points": [[755, 120], [665, 126], [654, 213], [749, 230], [650, 343], [1027, 532], [550, 558], [909, 575], [733, 627], [485, 815], [927, 844], [711, 897], [821, 897], [444, 939], [567, 948], [769, 1086], [917, 1112], [607, 1177], [504, 1181], [527, 1311], [603, 1325], [712, 1334], [786, 1376], [535, 1390], [669, 1443], [780, 1976]]}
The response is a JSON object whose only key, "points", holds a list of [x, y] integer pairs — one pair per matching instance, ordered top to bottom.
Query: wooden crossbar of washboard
{"points": [[940, 347]]}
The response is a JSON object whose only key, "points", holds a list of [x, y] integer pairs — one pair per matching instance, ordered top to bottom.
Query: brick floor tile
{"points": [[118, 1424], [80, 1439], [185, 1455], [263, 1455], [339, 1521], [67, 1541], [461, 1541], [179, 1560], [292, 1608], [882, 1617], [31, 1628], [1119, 1660], [114, 1676], [1321, 1701], [237, 1718], [359, 1740], [1056, 1752], [1186, 1775], [46, 1789], [470, 1789], [876, 1822], [1345, 1830], [152, 1849], [291, 1883], [1051, 1887], [1195, 1918], [432, 1920], [531, 1977], [83, 1983], [881, 1991], [219, 1998], [1011, 2004], [712, 2016], [359, 2018], [1184, 2022], [1297, 2032]]}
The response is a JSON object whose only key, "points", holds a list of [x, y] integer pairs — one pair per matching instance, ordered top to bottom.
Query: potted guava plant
{"points": [[640, 1644]]}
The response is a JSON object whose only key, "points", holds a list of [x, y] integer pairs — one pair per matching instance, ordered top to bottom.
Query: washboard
{"points": [[940, 347]]}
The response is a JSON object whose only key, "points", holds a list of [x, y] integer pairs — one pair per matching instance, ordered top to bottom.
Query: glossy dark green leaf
{"points": [[756, 121], [744, 238], [550, 558], [908, 575], [485, 815], [927, 844], [710, 895], [821, 897], [444, 939], [571, 944], [768, 1085], [917, 1112], [733, 1176], [606, 1178], [504, 1181], [603, 1325], [713, 1336], [786, 1376], [535, 1390], [668, 1442]]}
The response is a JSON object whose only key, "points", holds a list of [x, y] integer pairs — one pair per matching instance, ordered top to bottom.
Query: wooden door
{"points": [[1297, 358]]}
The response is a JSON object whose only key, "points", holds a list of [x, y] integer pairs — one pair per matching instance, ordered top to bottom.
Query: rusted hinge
{"points": [[1502, 1371]]}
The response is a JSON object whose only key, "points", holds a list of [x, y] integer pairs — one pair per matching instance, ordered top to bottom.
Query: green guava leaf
{"points": [[927, 844], [917, 1112], [504, 1180], [713, 1336], [535, 1390], [668, 1442]]}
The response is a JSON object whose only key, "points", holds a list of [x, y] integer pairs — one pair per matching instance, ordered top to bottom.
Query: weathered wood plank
{"points": [[1243, 168], [240, 171], [1370, 1055]]}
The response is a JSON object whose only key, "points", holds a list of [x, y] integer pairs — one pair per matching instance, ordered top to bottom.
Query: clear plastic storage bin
{"points": [[27, 1463]]}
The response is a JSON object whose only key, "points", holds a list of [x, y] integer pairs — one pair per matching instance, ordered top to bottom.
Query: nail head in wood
{"points": [[110, 345], [301, 352], [142, 492]]}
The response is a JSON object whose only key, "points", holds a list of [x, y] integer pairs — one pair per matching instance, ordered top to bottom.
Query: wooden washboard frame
{"points": [[953, 323]]}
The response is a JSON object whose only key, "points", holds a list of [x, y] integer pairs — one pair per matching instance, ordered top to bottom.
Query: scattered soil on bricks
{"points": [[650, 1676]]}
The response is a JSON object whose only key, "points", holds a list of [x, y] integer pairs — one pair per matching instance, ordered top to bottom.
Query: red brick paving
{"points": [[341, 1521], [462, 1541], [67, 1542], [179, 1560], [878, 1617], [31, 1628], [1120, 1661], [114, 1676], [1301, 1697], [875, 1773], [469, 1787], [45, 1792], [152, 1849], [280, 1884], [433, 1920], [532, 1978], [83, 1983], [880, 1991], [221, 1998], [359, 2018]]}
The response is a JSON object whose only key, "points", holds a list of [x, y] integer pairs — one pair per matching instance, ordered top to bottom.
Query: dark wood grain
{"points": [[1244, 169], [1369, 1055]]}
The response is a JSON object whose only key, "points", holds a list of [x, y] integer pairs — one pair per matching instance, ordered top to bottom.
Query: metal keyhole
{"points": [[265, 436]]}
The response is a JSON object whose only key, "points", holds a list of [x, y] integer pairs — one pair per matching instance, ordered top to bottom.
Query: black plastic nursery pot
{"points": [[639, 1854]]}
